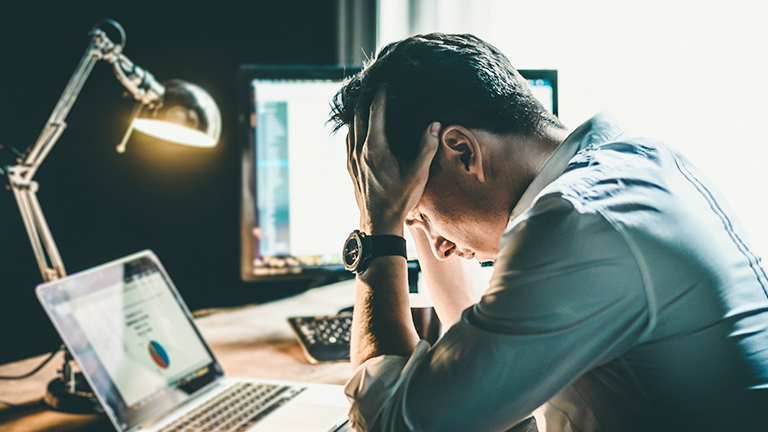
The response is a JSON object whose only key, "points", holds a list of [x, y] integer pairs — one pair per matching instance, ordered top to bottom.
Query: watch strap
{"points": [[386, 245]]}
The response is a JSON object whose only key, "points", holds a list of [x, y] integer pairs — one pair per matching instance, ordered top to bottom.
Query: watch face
{"points": [[352, 249]]}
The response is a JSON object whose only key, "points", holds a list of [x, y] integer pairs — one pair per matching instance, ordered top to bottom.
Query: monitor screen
{"points": [[543, 84], [298, 202]]}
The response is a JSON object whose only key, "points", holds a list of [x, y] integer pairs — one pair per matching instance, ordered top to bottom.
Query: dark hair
{"points": [[452, 79]]}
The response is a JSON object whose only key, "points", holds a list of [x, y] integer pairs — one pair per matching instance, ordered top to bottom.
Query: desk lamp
{"points": [[175, 111]]}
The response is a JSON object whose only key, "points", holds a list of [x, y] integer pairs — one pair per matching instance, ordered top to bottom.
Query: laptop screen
{"points": [[128, 328]]}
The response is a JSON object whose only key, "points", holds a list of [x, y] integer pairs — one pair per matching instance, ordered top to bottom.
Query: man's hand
{"points": [[386, 188]]}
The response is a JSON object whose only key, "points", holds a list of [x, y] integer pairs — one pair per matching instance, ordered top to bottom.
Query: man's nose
{"points": [[441, 248]]}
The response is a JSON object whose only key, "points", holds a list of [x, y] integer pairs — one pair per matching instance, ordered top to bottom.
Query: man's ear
{"points": [[462, 146]]}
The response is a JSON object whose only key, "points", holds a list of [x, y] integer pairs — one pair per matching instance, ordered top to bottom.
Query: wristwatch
{"points": [[360, 249]]}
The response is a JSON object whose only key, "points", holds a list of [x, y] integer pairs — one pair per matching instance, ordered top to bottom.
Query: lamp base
{"points": [[77, 399]]}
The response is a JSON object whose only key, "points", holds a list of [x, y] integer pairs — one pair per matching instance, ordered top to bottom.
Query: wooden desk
{"points": [[253, 341]]}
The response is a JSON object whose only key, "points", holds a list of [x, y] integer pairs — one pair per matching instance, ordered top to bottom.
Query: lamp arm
{"points": [[138, 81], [56, 124], [20, 176], [39, 234]]}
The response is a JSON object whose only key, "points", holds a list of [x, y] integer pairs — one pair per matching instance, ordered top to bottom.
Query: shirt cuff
{"points": [[374, 382]]}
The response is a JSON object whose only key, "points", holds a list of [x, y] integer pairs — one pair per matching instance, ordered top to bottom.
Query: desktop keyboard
{"points": [[324, 338]]}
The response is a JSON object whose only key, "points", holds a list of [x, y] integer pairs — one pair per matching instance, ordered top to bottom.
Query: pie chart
{"points": [[159, 355]]}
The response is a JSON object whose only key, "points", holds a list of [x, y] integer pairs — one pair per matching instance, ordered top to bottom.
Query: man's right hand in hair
{"points": [[386, 188]]}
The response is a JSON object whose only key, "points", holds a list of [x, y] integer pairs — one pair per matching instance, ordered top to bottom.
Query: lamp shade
{"points": [[187, 115]]}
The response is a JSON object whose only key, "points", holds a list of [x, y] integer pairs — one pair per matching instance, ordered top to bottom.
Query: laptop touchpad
{"points": [[299, 417]]}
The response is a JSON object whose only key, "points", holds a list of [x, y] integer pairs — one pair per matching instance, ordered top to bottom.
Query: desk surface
{"points": [[252, 341]]}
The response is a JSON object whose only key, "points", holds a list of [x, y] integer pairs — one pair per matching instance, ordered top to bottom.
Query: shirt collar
{"points": [[598, 130]]}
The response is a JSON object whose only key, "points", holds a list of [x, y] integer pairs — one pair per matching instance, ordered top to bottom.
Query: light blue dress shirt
{"points": [[625, 296]]}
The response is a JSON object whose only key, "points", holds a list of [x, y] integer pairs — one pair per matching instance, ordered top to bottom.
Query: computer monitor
{"points": [[543, 83], [298, 204]]}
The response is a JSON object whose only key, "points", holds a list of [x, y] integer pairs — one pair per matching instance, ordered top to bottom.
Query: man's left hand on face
{"points": [[386, 187]]}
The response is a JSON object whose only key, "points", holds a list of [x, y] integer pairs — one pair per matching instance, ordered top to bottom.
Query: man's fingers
{"points": [[376, 117], [359, 134], [429, 144], [350, 145], [350, 152]]}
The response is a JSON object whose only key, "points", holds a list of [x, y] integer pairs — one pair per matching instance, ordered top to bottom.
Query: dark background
{"points": [[181, 202]]}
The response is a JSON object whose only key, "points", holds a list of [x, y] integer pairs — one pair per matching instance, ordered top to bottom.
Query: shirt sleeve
{"points": [[566, 296], [373, 383]]}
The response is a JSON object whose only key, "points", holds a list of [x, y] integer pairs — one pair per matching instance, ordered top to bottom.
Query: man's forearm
{"points": [[386, 189], [452, 287], [382, 322]]}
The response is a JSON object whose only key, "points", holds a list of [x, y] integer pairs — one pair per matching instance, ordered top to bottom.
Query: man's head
{"points": [[451, 79], [483, 105]]}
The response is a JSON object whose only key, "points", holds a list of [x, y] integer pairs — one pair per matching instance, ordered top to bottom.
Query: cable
{"points": [[13, 150], [6, 168], [3, 169], [29, 374]]}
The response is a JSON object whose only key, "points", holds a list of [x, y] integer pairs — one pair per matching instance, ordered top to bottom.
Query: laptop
{"points": [[128, 328]]}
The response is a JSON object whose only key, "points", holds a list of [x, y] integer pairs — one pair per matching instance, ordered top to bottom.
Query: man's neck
{"points": [[523, 158]]}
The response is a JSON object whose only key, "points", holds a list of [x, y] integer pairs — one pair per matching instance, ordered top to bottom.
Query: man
{"points": [[625, 295]]}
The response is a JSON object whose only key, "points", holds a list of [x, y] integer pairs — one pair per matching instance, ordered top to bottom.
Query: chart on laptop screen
{"points": [[141, 335]]}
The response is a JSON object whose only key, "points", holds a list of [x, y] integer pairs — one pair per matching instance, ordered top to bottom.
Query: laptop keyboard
{"points": [[236, 409]]}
